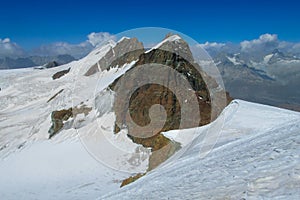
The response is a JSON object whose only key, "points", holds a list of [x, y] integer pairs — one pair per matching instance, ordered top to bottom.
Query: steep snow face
{"points": [[25, 113], [256, 157]]}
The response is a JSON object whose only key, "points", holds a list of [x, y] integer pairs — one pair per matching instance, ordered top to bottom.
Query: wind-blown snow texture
{"points": [[257, 157]]}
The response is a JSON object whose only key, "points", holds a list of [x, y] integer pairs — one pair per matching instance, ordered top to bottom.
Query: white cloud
{"points": [[98, 38], [6, 40], [264, 41], [208, 45], [59, 48], [213, 48], [256, 48], [295, 48], [10, 49], [75, 50]]}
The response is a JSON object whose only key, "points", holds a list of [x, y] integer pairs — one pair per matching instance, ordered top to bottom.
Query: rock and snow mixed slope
{"points": [[257, 154], [256, 157], [32, 166]]}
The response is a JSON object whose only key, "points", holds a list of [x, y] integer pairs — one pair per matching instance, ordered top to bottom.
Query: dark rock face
{"points": [[125, 51], [176, 54], [59, 74], [148, 95], [144, 97], [58, 118], [131, 179]]}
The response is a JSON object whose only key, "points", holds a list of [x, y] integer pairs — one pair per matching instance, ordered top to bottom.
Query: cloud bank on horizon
{"points": [[264, 43], [11, 49]]}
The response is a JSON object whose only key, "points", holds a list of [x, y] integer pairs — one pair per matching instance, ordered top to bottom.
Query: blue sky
{"points": [[33, 23]]}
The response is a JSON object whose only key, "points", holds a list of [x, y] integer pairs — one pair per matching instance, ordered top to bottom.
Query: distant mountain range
{"points": [[33, 61], [269, 77]]}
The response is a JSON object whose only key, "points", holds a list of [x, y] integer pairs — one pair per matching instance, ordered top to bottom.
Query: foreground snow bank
{"points": [[256, 157]]}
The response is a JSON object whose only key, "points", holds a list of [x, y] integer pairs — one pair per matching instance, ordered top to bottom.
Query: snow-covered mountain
{"points": [[269, 77], [60, 136]]}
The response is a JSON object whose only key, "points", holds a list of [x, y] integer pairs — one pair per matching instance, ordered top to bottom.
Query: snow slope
{"points": [[256, 157], [34, 167]]}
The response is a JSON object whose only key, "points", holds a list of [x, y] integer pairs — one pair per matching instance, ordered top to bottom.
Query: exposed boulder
{"points": [[59, 74], [58, 117]]}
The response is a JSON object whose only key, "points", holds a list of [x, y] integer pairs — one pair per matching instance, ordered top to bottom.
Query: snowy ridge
{"points": [[168, 39]]}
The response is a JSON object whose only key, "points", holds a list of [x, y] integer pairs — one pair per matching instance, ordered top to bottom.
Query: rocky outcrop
{"points": [[126, 51], [176, 55], [59, 74], [146, 96], [58, 117], [131, 179]]}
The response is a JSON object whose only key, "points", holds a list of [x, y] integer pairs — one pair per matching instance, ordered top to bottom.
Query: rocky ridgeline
{"points": [[174, 53]]}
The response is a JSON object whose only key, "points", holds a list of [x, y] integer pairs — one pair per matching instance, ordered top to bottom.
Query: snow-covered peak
{"points": [[124, 38], [171, 38], [267, 58], [233, 60]]}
